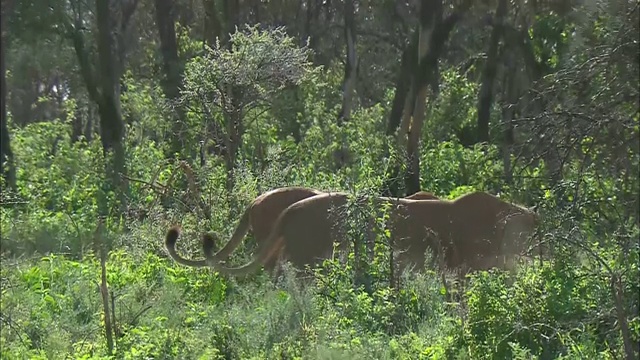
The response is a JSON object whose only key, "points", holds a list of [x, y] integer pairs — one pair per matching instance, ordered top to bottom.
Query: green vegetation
{"points": [[66, 208]]}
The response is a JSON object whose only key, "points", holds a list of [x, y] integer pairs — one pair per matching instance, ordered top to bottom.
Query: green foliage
{"points": [[549, 35], [259, 65], [453, 110], [147, 120], [449, 165], [59, 182], [51, 307], [166, 310], [539, 314]]}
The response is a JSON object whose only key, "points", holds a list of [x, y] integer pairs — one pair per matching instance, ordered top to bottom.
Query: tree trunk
{"points": [[231, 10], [255, 10], [309, 17], [430, 18], [165, 19], [212, 26], [212, 31], [434, 33], [408, 65], [349, 83], [409, 90], [23, 97], [485, 98], [402, 101], [508, 112], [234, 116], [76, 125], [111, 125], [88, 128], [7, 166]]}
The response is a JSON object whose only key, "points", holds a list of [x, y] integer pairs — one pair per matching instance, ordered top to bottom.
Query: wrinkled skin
{"points": [[260, 216], [464, 233]]}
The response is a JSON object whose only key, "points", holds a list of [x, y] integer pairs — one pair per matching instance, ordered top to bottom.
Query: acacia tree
{"points": [[259, 65]]}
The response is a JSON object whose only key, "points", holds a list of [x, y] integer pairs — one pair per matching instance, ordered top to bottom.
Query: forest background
{"points": [[534, 100]]}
